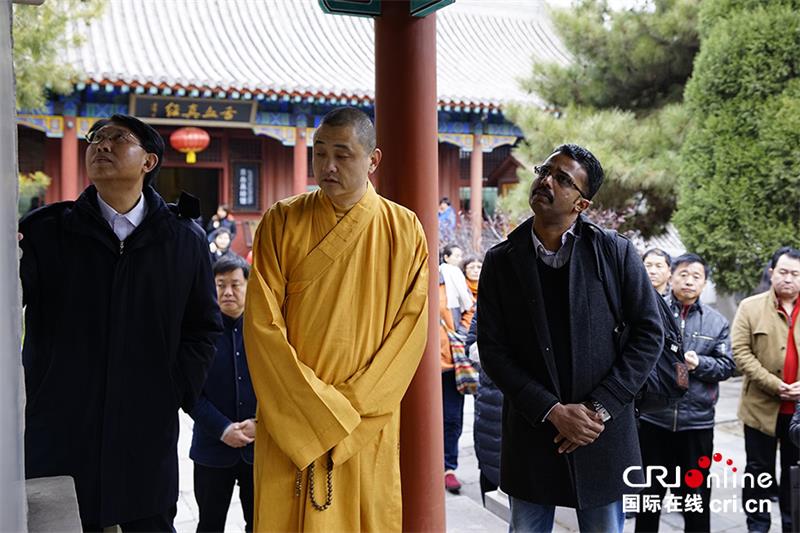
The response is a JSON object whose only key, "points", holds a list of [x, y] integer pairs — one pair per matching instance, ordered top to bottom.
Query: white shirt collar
{"points": [[134, 216], [123, 225], [539, 246]]}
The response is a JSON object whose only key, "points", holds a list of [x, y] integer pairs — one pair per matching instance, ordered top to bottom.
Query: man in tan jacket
{"points": [[764, 340]]}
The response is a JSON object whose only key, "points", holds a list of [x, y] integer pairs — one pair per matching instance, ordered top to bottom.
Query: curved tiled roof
{"points": [[292, 47]]}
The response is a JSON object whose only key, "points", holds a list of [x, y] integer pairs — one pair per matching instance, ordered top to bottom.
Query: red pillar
{"points": [[406, 122], [52, 167], [300, 179], [70, 187], [224, 188], [476, 192]]}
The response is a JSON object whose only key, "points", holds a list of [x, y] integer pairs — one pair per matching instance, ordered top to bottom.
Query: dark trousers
{"points": [[453, 406], [661, 447], [760, 449], [213, 488], [160, 523]]}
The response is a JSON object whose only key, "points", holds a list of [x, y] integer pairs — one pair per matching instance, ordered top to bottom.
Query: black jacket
{"points": [[214, 224], [706, 332], [117, 339], [516, 353], [227, 397], [794, 426]]}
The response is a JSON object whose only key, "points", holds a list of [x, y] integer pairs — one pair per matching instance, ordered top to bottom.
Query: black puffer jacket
{"points": [[706, 332], [488, 426], [794, 427]]}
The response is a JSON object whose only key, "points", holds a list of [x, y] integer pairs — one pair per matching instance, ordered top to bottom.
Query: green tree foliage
{"points": [[716, 10], [41, 34], [635, 59], [621, 98], [740, 178]]}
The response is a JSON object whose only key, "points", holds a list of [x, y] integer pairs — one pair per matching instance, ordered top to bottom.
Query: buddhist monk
{"points": [[335, 326]]}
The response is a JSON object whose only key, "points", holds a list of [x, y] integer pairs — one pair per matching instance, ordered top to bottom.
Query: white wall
{"points": [[12, 484]]}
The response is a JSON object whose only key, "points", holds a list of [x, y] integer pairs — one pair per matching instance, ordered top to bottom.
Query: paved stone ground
{"points": [[728, 440], [465, 512], [187, 517]]}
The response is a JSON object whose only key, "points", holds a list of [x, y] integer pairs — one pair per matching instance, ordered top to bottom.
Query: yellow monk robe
{"points": [[335, 326]]}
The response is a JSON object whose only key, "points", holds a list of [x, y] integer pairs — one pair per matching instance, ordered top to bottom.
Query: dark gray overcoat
{"points": [[117, 339], [516, 352]]}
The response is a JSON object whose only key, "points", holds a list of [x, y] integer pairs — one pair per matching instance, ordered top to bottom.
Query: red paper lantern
{"points": [[190, 141]]}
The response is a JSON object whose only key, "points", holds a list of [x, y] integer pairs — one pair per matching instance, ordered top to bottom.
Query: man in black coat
{"points": [[121, 320], [546, 338], [224, 415]]}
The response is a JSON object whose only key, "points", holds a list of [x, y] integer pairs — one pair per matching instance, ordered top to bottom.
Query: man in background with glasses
{"points": [[121, 320], [546, 333]]}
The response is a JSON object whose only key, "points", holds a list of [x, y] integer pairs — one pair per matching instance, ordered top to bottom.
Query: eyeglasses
{"points": [[112, 136], [563, 179]]}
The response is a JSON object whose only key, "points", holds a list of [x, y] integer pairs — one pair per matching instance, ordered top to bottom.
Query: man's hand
{"points": [[692, 360], [789, 392], [577, 425], [248, 427], [234, 437]]}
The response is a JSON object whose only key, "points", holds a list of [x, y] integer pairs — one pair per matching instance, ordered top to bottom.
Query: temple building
{"points": [[253, 78]]}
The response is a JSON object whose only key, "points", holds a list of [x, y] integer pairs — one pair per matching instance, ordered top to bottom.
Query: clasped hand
{"points": [[789, 392], [577, 425], [240, 434]]}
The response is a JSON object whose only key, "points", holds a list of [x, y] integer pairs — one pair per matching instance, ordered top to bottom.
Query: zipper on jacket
{"points": [[121, 247], [675, 415]]}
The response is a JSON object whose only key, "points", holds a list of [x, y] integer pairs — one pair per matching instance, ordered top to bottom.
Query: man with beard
{"points": [[547, 339]]}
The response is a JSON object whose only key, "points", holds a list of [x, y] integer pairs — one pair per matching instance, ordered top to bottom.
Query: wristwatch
{"points": [[598, 408]]}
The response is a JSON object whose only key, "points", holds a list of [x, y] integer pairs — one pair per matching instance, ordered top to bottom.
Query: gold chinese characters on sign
{"points": [[192, 109]]}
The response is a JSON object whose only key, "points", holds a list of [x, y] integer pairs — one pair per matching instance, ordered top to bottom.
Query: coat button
{"points": [[237, 353], [240, 378]]}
